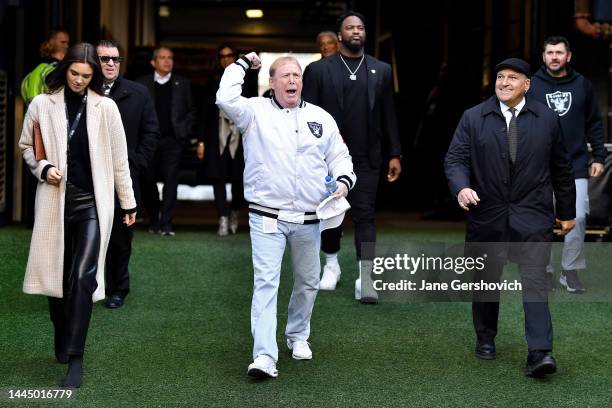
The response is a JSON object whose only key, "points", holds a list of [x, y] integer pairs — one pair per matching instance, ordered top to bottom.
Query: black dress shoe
{"points": [[114, 302], [485, 351], [539, 364]]}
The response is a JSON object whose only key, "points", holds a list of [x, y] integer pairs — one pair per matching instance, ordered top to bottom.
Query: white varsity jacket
{"points": [[287, 152]]}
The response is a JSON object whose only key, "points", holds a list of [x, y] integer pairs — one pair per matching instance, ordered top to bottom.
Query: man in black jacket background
{"points": [[356, 89], [571, 96], [176, 115], [142, 132]]}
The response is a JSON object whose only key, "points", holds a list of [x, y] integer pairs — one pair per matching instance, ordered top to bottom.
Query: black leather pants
{"points": [[71, 314]]}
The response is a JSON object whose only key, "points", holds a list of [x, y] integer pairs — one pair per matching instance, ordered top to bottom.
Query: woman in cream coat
{"points": [[75, 197]]}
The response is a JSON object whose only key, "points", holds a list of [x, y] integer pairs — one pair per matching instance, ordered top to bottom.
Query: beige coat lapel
{"points": [[93, 122], [58, 123]]}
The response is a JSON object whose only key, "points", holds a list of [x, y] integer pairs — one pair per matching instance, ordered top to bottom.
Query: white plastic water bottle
{"points": [[330, 185]]}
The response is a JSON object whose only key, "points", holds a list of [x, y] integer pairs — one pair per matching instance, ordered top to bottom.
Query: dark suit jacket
{"points": [[323, 87], [183, 110], [139, 121], [140, 125], [516, 201]]}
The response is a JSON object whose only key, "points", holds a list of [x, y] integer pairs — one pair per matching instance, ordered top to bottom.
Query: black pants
{"points": [[166, 165], [230, 171], [221, 197], [363, 203], [119, 249], [118, 257], [71, 314], [538, 323]]}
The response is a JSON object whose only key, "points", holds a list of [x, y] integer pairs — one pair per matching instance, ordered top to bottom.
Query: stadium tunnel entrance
{"points": [[434, 45]]}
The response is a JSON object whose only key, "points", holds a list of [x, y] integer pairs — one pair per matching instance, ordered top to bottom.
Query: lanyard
{"points": [[72, 129]]}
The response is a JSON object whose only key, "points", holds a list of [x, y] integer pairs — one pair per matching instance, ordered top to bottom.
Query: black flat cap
{"points": [[516, 64]]}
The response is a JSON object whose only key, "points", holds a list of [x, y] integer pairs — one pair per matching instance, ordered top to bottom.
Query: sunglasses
{"points": [[105, 59]]}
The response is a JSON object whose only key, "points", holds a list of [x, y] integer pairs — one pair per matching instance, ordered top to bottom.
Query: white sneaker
{"points": [[223, 227], [331, 276], [358, 289], [301, 349], [263, 367]]}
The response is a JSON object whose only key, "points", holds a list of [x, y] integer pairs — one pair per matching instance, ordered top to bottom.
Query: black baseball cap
{"points": [[516, 64]]}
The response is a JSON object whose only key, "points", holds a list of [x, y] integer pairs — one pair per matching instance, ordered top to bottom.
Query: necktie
{"points": [[107, 89], [512, 135]]}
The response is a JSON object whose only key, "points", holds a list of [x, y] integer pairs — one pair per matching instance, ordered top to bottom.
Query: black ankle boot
{"points": [[74, 376]]}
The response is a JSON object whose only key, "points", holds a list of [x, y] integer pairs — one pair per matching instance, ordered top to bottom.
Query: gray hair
{"points": [[326, 32], [157, 50], [281, 60]]}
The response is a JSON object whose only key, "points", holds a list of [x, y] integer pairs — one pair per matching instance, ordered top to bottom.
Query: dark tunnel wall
{"points": [[470, 37]]}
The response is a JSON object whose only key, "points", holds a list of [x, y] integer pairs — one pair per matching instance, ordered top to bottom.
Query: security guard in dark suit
{"points": [[142, 133]]}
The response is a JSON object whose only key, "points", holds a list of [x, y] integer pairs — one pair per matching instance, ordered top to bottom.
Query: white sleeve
{"points": [[230, 100], [339, 160]]}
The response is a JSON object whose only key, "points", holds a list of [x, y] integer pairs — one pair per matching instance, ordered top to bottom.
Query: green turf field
{"points": [[184, 339]]}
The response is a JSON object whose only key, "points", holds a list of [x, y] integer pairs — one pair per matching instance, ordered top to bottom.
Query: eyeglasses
{"points": [[106, 59]]}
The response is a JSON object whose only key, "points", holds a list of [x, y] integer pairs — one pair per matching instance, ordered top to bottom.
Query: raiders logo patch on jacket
{"points": [[316, 129]]}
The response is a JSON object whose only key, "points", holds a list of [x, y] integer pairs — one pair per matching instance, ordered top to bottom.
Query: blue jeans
{"points": [[573, 249], [268, 250], [573, 257]]}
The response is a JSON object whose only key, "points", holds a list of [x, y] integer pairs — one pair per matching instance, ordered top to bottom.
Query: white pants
{"points": [[268, 250]]}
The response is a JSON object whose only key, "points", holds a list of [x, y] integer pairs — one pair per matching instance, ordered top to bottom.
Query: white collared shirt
{"points": [[161, 79], [107, 87], [506, 110]]}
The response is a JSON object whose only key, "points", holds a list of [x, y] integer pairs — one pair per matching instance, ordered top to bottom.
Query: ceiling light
{"points": [[164, 11], [254, 13]]}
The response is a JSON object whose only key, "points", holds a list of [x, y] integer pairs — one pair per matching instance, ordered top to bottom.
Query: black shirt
{"points": [[163, 106], [355, 113], [79, 162]]}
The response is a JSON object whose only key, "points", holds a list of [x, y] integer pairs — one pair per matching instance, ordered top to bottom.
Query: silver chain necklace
{"points": [[352, 76]]}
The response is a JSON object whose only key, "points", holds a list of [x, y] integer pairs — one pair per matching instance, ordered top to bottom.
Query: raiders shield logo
{"points": [[560, 102], [316, 129]]}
